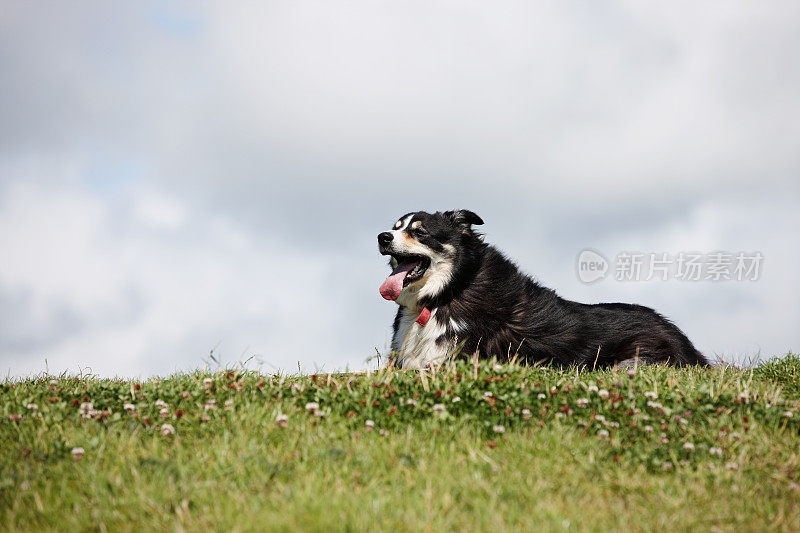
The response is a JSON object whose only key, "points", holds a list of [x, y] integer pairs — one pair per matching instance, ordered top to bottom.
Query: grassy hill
{"points": [[468, 447]]}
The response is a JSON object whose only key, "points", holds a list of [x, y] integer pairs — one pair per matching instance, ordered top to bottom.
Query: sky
{"points": [[178, 179]]}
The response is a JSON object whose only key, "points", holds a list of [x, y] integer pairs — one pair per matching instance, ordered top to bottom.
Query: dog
{"points": [[458, 295]]}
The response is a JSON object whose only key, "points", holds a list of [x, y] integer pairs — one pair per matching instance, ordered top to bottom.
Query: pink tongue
{"points": [[394, 283]]}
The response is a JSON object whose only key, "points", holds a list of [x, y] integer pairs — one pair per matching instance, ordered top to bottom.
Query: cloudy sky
{"points": [[176, 179]]}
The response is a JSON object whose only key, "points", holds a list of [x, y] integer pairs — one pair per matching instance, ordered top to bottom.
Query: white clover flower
{"points": [[498, 367], [53, 382], [208, 383], [592, 388], [553, 390], [603, 393], [185, 394], [488, 394], [650, 394], [743, 395], [541, 396], [456, 399], [411, 402], [582, 402], [161, 403], [210, 404], [228, 404], [654, 405], [312, 406], [33, 407], [129, 407], [439, 408], [86, 410], [164, 413], [318, 413], [526, 414], [788, 414], [205, 418], [600, 418], [282, 420], [370, 424], [167, 429], [499, 429], [648, 429], [383, 433], [603, 434], [688, 446], [715, 451], [77, 453], [666, 465], [732, 466]]}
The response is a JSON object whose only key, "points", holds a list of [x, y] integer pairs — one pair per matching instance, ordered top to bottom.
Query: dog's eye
{"points": [[420, 231]]}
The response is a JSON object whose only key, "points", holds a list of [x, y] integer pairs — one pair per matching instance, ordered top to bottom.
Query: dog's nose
{"points": [[385, 238]]}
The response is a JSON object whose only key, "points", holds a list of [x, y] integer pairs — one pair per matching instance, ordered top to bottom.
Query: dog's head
{"points": [[424, 250]]}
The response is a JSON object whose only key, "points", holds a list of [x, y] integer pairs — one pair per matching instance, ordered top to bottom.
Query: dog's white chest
{"points": [[415, 344]]}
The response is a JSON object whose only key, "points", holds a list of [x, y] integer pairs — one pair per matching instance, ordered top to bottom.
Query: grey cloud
{"points": [[307, 130], [30, 325], [23, 328]]}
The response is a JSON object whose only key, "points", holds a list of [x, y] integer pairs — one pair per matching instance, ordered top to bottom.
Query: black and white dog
{"points": [[456, 292]]}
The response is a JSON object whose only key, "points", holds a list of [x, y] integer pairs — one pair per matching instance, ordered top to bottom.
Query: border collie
{"points": [[459, 295]]}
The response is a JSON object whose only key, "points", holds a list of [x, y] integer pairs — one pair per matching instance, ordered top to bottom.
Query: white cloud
{"points": [[161, 212]]}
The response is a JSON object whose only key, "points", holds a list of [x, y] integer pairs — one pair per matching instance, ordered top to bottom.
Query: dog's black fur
{"points": [[504, 313]]}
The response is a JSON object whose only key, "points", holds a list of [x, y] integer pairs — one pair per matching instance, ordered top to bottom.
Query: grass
{"points": [[470, 447]]}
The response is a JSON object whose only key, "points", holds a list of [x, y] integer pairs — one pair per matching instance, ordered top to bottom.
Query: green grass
{"points": [[714, 450]]}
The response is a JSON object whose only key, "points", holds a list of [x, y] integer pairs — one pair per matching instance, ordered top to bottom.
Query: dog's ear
{"points": [[464, 217]]}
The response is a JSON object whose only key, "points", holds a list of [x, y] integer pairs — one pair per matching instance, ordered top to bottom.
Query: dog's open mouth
{"points": [[409, 269]]}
